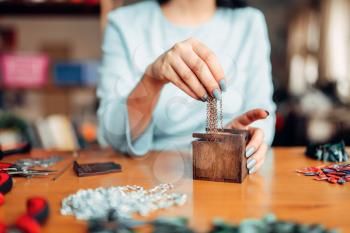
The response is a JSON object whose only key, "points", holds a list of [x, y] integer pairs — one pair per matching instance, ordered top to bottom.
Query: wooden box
{"points": [[220, 156]]}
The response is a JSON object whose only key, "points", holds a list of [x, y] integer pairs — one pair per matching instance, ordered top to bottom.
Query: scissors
{"points": [[16, 170]]}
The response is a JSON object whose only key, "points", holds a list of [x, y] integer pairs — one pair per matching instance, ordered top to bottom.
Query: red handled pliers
{"points": [[13, 169], [37, 213]]}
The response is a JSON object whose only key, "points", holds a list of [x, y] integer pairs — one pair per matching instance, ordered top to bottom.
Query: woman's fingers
{"points": [[211, 60], [195, 65], [198, 67], [201, 70], [187, 76], [173, 77], [244, 120], [256, 140], [256, 149], [257, 159]]}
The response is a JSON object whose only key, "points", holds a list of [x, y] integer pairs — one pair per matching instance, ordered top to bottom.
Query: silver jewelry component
{"points": [[221, 115], [214, 121], [42, 162], [124, 200]]}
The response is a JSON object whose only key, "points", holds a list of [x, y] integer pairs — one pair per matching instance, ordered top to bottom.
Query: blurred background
{"points": [[50, 51]]}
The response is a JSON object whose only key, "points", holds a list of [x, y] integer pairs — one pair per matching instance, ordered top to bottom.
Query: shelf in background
{"points": [[48, 9], [49, 88]]}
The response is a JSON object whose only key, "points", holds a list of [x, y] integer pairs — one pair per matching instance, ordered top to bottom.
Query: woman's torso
{"points": [[147, 34]]}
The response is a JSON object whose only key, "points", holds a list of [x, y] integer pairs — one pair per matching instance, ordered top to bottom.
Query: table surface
{"points": [[276, 188]]}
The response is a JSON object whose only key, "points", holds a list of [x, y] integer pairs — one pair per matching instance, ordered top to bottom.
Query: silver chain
{"points": [[221, 115], [212, 116], [125, 200]]}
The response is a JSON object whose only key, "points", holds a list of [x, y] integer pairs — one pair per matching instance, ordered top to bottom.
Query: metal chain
{"points": [[221, 115], [212, 116], [208, 118], [125, 200]]}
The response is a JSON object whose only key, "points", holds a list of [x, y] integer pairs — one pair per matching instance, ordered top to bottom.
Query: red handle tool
{"points": [[4, 167], [16, 170], [5, 185], [37, 209], [37, 214]]}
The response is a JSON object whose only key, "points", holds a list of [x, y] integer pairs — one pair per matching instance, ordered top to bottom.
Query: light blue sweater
{"points": [[137, 34]]}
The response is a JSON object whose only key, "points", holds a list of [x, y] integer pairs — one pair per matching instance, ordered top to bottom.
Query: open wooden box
{"points": [[220, 156]]}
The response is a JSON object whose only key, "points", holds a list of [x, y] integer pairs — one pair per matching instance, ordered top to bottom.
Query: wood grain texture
{"points": [[220, 156], [276, 188]]}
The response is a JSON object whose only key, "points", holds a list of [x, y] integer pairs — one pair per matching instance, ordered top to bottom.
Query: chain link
{"points": [[212, 116], [221, 116]]}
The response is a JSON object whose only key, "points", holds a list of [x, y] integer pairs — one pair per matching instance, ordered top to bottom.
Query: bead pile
{"points": [[334, 173], [124, 200]]}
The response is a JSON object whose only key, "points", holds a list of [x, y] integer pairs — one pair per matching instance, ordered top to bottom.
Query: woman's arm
{"points": [[117, 81], [141, 103]]}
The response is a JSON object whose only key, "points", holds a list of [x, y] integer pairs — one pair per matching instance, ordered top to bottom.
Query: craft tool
{"points": [[41, 162], [65, 168], [13, 169], [91, 169], [6, 184], [38, 208], [30, 222]]}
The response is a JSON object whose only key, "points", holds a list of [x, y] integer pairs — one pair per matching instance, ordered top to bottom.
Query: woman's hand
{"points": [[192, 67], [256, 148]]}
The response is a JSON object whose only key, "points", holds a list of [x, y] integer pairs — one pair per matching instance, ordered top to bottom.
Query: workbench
{"points": [[276, 188]]}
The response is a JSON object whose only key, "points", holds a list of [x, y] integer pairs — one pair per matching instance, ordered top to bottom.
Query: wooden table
{"points": [[277, 188]]}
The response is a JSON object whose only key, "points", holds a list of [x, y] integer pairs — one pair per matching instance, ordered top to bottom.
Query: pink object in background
{"points": [[24, 70]]}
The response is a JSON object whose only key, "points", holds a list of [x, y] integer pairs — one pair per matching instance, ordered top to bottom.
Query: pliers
{"points": [[15, 170], [36, 215], [30, 222]]}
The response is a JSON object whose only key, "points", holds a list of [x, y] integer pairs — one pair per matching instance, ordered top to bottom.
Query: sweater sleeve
{"points": [[117, 79], [259, 86]]}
